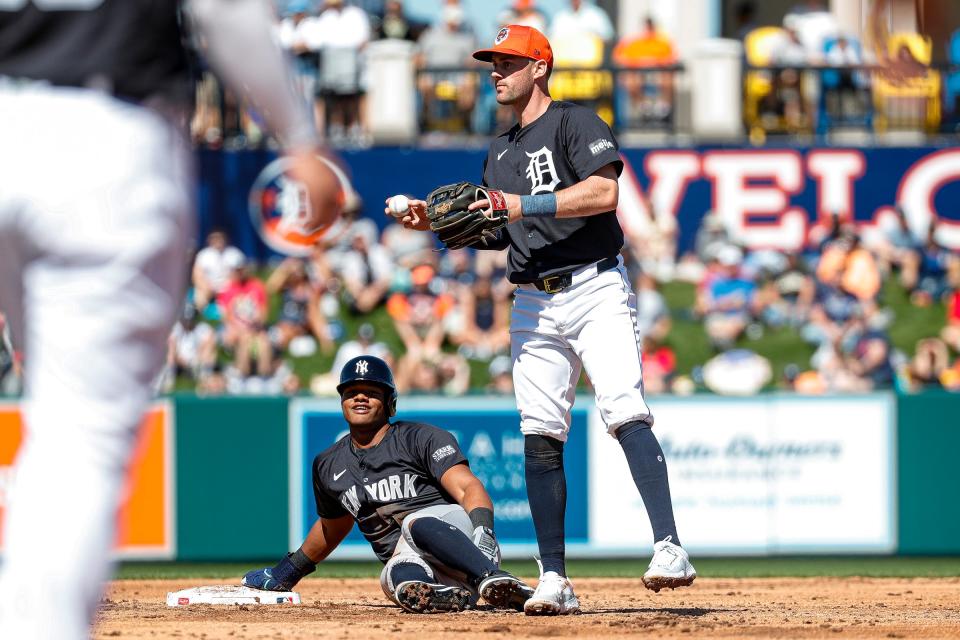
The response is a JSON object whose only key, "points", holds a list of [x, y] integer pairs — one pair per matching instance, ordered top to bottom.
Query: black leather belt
{"points": [[559, 282]]}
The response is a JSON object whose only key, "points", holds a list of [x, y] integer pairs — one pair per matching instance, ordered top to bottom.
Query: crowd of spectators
{"points": [[831, 295], [440, 318]]}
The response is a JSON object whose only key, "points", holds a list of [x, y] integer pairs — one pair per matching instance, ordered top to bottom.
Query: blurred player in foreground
{"points": [[95, 230], [410, 490]]}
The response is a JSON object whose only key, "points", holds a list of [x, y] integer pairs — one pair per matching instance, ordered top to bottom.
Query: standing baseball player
{"points": [[556, 175], [95, 231], [411, 492]]}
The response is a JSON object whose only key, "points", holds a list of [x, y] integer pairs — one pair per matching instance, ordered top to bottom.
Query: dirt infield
{"points": [[763, 607]]}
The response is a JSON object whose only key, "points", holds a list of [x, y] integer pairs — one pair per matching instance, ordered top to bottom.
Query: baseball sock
{"points": [[649, 470], [547, 495], [451, 547], [406, 571]]}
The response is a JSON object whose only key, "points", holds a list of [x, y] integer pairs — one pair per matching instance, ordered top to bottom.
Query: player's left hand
{"points": [[486, 541], [263, 579]]}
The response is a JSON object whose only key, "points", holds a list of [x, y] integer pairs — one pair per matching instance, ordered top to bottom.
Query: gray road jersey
{"points": [[564, 146], [381, 485]]}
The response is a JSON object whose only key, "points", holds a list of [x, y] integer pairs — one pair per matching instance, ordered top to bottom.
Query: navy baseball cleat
{"points": [[502, 590], [425, 597]]}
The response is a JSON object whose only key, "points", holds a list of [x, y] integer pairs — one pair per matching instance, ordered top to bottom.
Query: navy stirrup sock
{"points": [[649, 470], [547, 495], [451, 547], [407, 571]]}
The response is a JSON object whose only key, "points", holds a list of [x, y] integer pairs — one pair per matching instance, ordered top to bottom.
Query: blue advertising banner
{"points": [[765, 197], [489, 435]]}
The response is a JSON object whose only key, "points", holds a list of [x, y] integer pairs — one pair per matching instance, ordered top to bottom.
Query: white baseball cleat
{"points": [[669, 568], [553, 597]]}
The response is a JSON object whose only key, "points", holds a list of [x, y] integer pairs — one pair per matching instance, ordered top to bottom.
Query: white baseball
{"points": [[398, 205]]}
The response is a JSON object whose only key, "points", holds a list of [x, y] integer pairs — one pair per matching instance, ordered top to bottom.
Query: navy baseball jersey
{"points": [[129, 48], [564, 146], [381, 485]]}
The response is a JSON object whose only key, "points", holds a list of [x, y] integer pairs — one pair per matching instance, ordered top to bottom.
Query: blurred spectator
{"points": [[526, 13], [581, 19], [813, 24], [396, 25], [293, 33], [340, 34], [446, 45], [842, 52], [649, 95], [787, 98], [711, 237], [650, 238], [337, 241], [409, 247], [897, 249], [857, 269], [939, 269], [211, 270], [366, 272], [326, 287], [728, 301], [243, 306], [830, 309], [418, 315], [653, 317], [301, 324], [483, 327], [951, 330], [362, 344], [192, 348], [868, 352], [929, 364], [659, 365], [10, 369], [417, 374], [454, 374], [501, 376], [280, 379], [325, 384]]}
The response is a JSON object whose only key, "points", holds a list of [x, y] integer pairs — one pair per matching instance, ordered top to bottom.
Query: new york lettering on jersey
{"points": [[564, 146], [380, 485]]}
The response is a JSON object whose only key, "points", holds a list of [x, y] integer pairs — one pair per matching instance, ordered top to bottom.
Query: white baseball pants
{"points": [[95, 230], [590, 325]]}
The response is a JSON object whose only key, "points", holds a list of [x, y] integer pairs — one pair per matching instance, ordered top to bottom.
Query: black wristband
{"points": [[482, 517], [302, 562]]}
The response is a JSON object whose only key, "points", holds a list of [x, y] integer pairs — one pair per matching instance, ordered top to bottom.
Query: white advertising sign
{"points": [[770, 474]]}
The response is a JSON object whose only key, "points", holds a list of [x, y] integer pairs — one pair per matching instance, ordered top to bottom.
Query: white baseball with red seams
{"points": [[398, 205]]}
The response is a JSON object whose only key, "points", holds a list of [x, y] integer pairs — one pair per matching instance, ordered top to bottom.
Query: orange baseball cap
{"points": [[518, 40]]}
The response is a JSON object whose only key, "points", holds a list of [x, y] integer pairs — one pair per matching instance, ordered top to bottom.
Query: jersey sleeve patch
{"points": [[443, 452]]}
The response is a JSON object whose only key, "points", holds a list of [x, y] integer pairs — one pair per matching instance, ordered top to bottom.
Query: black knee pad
{"points": [[543, 451]]}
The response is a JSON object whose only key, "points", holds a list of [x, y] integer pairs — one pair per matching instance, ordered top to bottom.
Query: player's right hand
{"points": [[323, 190], [415, 216], [486, 541], [264, 579]]}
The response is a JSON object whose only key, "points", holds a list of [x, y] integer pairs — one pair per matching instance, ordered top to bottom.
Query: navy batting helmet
{"points": [[370, 369]]}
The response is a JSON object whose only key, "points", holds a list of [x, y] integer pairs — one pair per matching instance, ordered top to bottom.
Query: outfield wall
{"points": [[765, 196], [229, 478]]}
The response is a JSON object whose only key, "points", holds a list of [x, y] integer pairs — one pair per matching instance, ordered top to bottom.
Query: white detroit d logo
{"points": [[540, 168], [362, 367]]}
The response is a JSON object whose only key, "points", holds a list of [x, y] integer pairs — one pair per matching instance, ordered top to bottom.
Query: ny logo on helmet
{"points": [[362, 367]]}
